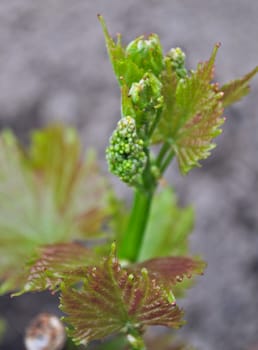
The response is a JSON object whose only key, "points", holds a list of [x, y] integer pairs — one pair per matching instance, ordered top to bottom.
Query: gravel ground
{"points": [[53, 66]]}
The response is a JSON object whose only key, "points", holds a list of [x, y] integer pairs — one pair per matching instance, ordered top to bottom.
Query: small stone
{"points": [[45, 332]]}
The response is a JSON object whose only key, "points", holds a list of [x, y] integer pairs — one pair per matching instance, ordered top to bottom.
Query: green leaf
{"points": [[125, 69], [235, 90], [193, 116], [75, 182], [47, 195], [166, 234], [115, 299]]}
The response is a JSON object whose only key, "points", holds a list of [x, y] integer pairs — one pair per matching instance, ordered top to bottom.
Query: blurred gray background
{"points": [[54, 66]]}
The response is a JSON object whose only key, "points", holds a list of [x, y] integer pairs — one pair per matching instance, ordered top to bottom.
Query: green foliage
{"points": [[126, 70], [47, 195], [166, 234]]}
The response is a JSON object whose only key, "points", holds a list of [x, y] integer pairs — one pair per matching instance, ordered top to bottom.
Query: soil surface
{"points": [[54, 66]]}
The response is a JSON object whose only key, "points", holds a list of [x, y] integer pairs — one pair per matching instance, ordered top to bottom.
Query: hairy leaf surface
{"points": [[193, 116], [54, 263], [171, 270], [115, 299]]}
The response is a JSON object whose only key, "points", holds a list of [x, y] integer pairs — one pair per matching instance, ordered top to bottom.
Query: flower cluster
{"points": [[177, 58], [125, 155]]}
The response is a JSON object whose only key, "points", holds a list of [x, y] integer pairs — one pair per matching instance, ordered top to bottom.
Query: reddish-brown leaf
{"points": [[54, 263], [171, 270], [115, 299]]}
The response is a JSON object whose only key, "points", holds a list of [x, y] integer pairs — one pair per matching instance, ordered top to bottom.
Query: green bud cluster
{"points": [[146, 53], [177, 59], [146, 94], [125, 154]]}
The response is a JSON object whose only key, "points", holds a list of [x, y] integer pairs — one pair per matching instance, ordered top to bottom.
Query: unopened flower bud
{"points": [[146, 53], [177, 58], [146, 94]]}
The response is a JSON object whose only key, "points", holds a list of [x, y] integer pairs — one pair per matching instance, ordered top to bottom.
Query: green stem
{"points": [[157, 119], [165, 147], [167, 161], [133, 236], [136, 341], [138, 346]]}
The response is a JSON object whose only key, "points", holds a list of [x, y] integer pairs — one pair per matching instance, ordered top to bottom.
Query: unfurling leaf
{"points": [[126, 70], [235, 90], [193, 116], [48, 194], [113, 299]]}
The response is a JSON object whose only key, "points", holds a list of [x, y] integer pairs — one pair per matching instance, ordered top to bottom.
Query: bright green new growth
{"points": [[146, 53], [146, 94], [181, 112]]}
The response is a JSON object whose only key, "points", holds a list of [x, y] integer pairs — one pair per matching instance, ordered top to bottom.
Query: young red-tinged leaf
{"points": [[235, 90], [199, 116], [195, 118], [47, 195], [54, 263], [171, 270], [116, 299]]}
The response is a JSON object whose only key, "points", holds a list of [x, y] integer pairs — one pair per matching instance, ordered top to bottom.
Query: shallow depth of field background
{"points": [[54, 66]]}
